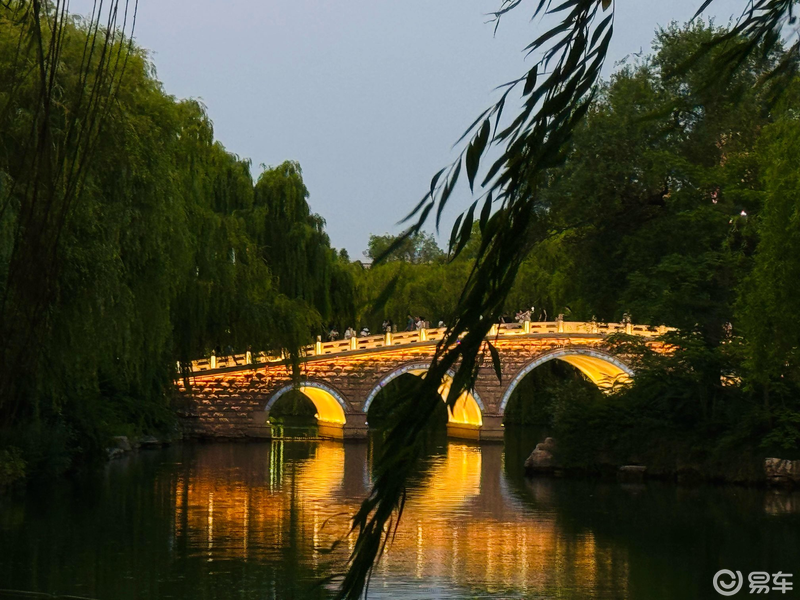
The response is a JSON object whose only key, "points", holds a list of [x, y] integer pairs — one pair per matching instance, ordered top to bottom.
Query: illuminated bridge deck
{"points": [[231, 397]]}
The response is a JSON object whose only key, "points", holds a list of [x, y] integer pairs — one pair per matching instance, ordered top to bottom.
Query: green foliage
{"points": [[648, 203], [679, 204], [418, 248], [166, 250], [426, 290], [770, 297], [546, 392], [386, 405], [678, 414], [12, 466]]}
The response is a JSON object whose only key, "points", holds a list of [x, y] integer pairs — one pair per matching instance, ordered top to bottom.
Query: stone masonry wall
{"points": [[231, 403]]}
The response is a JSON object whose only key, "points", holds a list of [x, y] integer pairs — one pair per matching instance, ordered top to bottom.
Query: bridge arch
{"points": [[602, 368], [330, 403], [468, 409]]}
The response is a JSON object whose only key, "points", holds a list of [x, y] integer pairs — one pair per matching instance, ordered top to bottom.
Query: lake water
{"points": [[258, 521]]}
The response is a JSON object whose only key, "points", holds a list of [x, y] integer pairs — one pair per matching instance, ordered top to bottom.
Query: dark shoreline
{"points": [[682, 477]]}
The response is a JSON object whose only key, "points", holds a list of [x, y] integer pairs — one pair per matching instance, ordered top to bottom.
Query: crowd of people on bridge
{"points": [[525, 314], [420, 322], [415, 323], [388, 326], [333, 333]]}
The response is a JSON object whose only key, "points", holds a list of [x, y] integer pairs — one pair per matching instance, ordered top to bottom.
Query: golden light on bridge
{"points": [[601, 372], [234, 400], [328, 409], [465, 411]]}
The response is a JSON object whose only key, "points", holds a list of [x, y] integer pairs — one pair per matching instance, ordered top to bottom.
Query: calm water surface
{"points": [[257, 521]]}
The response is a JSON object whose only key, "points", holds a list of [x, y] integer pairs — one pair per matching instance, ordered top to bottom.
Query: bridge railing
{"points": [[404, 338]]}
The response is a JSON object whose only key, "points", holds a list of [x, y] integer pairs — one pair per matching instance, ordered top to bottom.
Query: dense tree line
{"points": [[677, 203], [165, 250]]}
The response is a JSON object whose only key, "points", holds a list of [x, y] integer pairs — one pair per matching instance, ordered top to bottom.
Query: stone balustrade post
{"points": [[560, 323], [526, 326], [387, 341], [354, 343], [318, 345]]}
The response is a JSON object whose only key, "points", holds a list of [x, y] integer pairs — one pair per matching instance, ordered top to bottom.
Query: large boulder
{"points": [[541, 461], [782, 472]]}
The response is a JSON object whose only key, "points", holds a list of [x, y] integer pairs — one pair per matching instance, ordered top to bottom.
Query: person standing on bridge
{"points": [[410, 323], [229, 353]]}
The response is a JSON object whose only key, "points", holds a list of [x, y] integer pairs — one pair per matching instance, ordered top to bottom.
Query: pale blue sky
{"points": [[368, 95]]}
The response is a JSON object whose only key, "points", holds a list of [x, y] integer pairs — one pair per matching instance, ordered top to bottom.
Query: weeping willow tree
{"points": [[51, 120], [512, 212], [128, 240], [292, 241]]}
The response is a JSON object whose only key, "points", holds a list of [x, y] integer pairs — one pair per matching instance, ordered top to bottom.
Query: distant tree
{"points": [[648, 203], [419, 248], [769, 305]]}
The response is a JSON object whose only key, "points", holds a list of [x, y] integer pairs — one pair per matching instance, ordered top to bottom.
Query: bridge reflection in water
{"points": [[465, 524]]}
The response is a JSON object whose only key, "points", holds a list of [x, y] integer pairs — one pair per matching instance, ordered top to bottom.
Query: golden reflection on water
{"points": [[462, 525]]}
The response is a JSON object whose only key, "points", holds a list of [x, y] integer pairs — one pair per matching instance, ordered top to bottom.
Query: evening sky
{"points": [[368, 95]]}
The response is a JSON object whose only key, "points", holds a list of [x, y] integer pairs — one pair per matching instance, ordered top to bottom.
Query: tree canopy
{"points": [[418, 248], [162, 250]]}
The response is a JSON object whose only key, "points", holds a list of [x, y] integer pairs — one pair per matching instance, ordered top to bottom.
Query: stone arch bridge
{"points": [[232, 397]]}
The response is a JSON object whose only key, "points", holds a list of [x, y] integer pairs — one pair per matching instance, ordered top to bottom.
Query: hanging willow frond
{"points": [[760, 30], [556, 92], [52, 157]]}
